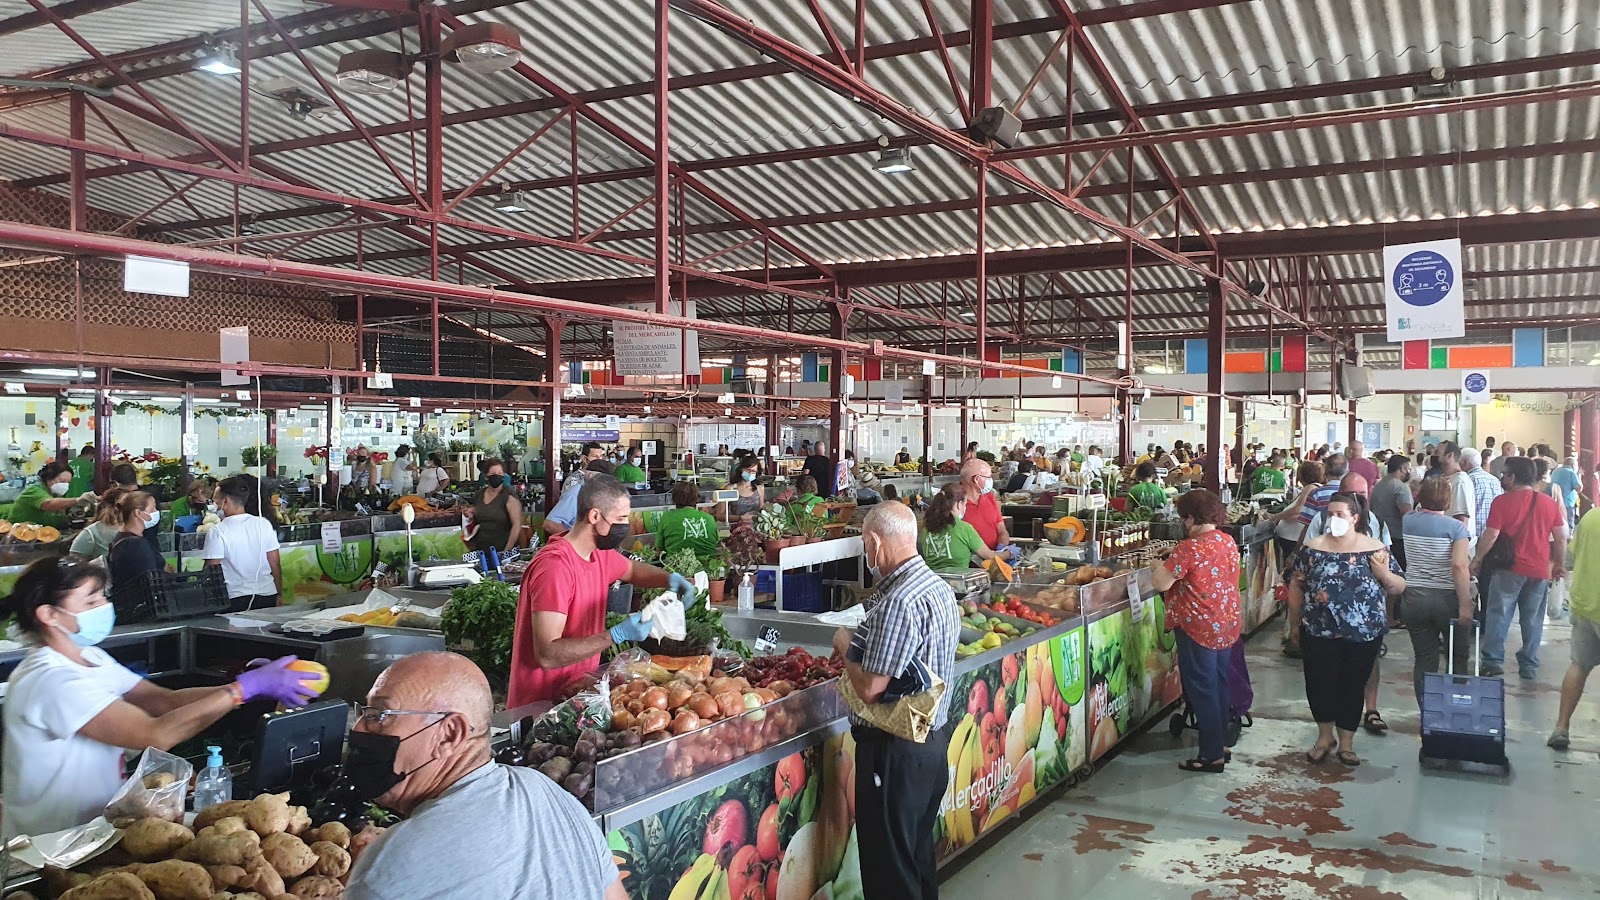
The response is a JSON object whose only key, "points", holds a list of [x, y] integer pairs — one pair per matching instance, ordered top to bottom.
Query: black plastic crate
{"points": [[162, 596]]}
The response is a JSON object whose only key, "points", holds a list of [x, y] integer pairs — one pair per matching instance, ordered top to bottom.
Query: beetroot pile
{"points": [[795, 670]]}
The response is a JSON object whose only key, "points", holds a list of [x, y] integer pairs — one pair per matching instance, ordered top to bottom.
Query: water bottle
{"points": [[747, 595], [214, 785]]}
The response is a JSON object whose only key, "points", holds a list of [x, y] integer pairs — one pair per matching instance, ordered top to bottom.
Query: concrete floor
{"points": [[1275, 826]]}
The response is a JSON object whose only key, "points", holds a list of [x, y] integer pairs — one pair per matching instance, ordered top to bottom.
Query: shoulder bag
{"points": [[1504, 552], [908, 715]]}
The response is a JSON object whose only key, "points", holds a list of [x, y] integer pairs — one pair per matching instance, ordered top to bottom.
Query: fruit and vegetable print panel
{"points": [[1133, 673], [1021, 729], [784, 830]]}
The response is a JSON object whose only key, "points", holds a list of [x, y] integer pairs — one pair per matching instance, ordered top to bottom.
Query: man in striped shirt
{"points": [[899, 783]]}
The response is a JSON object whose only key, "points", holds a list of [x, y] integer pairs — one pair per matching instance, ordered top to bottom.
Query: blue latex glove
{"points": [[1012, 551], [683, 587], [634, 628], [278, 681]]}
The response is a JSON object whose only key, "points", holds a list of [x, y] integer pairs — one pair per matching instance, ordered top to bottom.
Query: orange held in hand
{"points": [[318, 684]]}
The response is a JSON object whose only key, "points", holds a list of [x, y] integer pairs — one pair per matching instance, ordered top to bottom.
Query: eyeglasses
{"points": [[377, 717]]}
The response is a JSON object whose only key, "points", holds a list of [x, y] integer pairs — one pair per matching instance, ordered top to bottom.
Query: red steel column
{"points": [[982, 53], [433, 70], [662, 161], [79, 205], [983, 263], [838, 329], [1216, 406], [552, 415], [102, 430]]}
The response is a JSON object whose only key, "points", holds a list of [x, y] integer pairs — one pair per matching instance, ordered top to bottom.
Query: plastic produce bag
{"points": [[666, 617], [588, 703], [156, 789]]}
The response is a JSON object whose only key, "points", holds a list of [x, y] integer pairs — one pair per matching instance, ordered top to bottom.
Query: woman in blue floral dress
{"points": [[1338, 614]]}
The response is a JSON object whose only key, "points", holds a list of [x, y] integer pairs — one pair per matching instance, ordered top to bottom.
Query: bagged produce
{"points": [[666, 617], [589, 702], [156, 789]]}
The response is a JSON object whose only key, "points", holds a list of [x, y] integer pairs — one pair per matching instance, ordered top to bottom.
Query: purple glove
{"points": [[276, 680]]}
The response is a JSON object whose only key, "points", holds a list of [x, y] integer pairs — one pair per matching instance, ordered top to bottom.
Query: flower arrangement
{"points": [[317, 454], [253, 456]]}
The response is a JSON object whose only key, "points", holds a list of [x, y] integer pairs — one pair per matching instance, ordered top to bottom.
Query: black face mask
{"points": [[494, 481], [611, 538], [369, 763]]}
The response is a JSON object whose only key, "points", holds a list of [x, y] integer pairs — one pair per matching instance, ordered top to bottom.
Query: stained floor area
{"points": [[1276, 826]]}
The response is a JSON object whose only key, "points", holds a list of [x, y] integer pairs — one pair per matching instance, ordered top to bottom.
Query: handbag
{"points": [[1504, 553], [912, 702]]}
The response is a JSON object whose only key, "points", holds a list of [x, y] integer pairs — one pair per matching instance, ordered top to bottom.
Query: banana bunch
{"points": [[963, 754], [705, 880]]}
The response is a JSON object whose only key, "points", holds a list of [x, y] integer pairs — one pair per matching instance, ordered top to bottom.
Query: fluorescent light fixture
{"points": [[484, 47], [221, 61], [371, 71], [894, 161], [511, 202], [968, 314], [1157, 369], [54, 373]]}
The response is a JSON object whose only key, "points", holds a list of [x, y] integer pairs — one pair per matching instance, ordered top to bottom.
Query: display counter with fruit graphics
{"points": [[1259, 574], [1133, 663]]}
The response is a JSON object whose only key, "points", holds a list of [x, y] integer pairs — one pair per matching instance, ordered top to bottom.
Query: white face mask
{"points": [[987, 486], [59, 489], [151, 518], [1338, 527]]}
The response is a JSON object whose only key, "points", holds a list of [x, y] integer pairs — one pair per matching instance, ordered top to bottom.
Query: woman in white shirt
{"points": [[403, 470], [433, 477], [245, 546], [71, 709]]}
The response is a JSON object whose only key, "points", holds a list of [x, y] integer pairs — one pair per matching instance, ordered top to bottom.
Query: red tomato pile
{"points": [[1017, 609], [795, 670]]}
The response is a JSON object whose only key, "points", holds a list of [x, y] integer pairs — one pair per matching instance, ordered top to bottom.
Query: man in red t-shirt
{"points": [[1360, 465], [983, 507], [1538, 529], [561, 615]]}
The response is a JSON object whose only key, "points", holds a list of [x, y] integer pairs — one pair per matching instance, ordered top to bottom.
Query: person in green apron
{"points": [[82, 472], [629, 472], [1146, 494], [44, 501], [687, 525], [948, 543]]}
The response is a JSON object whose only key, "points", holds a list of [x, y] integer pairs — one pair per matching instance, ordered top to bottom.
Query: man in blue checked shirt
{"points": [[899, 783]]}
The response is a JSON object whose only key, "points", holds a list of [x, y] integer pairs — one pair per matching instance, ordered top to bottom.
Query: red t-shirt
{"points": [[983, 514], [1530, 529], [560, 581], [1204, 601]]}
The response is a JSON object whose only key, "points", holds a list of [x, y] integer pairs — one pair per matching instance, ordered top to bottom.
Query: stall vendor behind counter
{"points": [[45, 501]]}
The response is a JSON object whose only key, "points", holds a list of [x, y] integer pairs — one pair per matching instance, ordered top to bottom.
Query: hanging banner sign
{"points": [[1422, 290], [643, 349], [1475, 387], [578, 434]]}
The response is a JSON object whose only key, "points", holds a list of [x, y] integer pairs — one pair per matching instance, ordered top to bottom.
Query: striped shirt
{"points": [[1485, 488], [1428, 539], [913, 614]]}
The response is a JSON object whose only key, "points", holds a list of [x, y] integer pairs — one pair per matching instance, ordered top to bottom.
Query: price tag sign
{"points": [[16, 387], [242, 395], [416, 401], [191, 444], [648, 448], [332, 539], [1134, 601], [767, 642]]}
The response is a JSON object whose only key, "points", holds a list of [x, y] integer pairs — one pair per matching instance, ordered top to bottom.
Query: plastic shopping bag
{"points": [[666, 617], [156, 789]]}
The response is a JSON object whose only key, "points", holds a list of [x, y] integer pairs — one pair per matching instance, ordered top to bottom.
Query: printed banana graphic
{"points": [[953, 755], [960, 815], [691, 886], [717, 886]]}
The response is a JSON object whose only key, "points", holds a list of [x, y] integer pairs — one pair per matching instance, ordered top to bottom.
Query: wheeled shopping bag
{"points": [[1463, 716]]}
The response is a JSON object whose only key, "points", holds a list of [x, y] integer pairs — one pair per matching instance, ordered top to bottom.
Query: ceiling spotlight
{"points": [[484, 47], [222, 61], [372, 71], [1438, 85], [894, 160], [511, 202]]}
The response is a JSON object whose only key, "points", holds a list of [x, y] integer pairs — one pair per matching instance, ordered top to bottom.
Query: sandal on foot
{"points": [[1373, 722], [1558, 741], [1319, 754], [1349, 758], [1199, 765]]}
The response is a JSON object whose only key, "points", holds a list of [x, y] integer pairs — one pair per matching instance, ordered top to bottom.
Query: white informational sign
{"points": [[145, 275], [1422, 290], [644, 349], [380, 381], [16, 387], [1475, 387], [416, 401], [613, 423], [191, 444], [648, 448], [336, 458], [332, 539], [1135, 602]]}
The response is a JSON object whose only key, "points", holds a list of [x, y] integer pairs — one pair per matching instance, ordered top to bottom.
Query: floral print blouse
{"points": [[1343, 599], [1204, 601]]}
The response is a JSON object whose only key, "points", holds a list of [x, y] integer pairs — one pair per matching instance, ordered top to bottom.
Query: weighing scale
{"points": [[1047, 555], [442, 575]]}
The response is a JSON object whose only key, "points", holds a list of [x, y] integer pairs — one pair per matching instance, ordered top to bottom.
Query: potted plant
{"points": [[511, 454], [773, 524], [812, 528], [716, 568]]}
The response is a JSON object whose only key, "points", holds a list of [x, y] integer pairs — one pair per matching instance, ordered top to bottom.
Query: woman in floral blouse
{"points": [[1200, 581], [1338, 615]]}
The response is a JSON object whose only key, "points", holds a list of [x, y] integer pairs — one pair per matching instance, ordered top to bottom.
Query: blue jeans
{"points": [[1509, 591], [1205, 685]]}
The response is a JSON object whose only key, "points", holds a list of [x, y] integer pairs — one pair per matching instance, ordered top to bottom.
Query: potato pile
{"points": [[261, 849]]}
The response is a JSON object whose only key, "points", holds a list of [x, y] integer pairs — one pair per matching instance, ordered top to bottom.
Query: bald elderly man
{"points": [[899, 782], [473, 828]]}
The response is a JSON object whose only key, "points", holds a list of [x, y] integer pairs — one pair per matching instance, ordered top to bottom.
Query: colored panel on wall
{"points": [[1527, 347], [991, 354], [1293, 354], [1414, 355], [1196, 356], [1492, 357], [1439, 358], [1071, 361], [1245, 361], [809, 363], [872, 369], [853, 370], [575, 372], [825, 373], [710, 374]]}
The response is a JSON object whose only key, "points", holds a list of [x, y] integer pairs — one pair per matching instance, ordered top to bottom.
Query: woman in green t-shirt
{"points": [[1146, 494], [806, 498], [194, 500], [43, 502], [687, 526], [948, 542]]}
